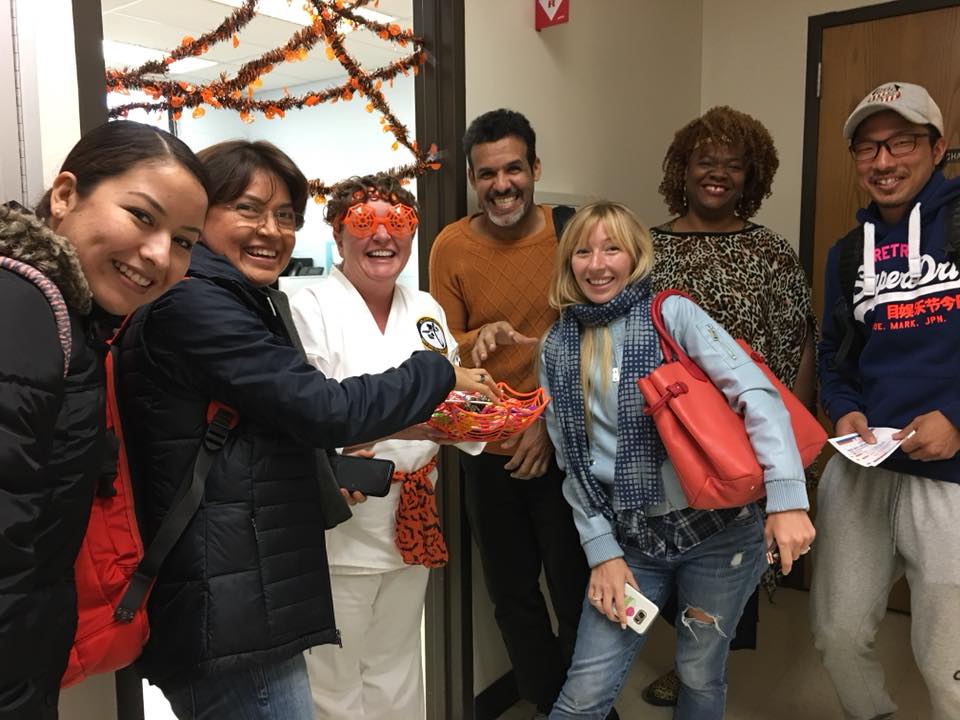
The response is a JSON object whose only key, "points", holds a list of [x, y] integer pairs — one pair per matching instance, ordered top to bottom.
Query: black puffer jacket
{"points": [[51, 450], [248, 581]]}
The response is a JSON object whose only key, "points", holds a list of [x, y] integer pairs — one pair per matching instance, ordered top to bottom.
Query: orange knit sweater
{"points": [[479, 280]]}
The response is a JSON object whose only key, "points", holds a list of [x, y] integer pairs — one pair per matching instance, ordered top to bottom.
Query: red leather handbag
{"points": [[706, 439]]}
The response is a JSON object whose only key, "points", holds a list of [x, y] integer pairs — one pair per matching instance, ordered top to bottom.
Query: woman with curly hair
{"points": [[716, 173]]}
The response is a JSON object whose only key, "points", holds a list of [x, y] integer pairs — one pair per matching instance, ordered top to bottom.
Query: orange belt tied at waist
{"points": [[418, 525]]}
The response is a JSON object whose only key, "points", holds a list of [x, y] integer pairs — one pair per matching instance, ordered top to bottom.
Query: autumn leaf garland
{"points": [[237, 93]]}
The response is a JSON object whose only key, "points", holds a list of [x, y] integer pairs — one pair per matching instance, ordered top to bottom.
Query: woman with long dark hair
{"points": [[114, 231]]}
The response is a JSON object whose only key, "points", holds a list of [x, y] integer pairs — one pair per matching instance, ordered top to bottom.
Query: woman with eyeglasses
{"points": [[716, 173], [361, 321], [247, 589]]}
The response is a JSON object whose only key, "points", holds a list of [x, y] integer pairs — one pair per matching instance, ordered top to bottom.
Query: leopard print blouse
{"points": [[750, 281]]}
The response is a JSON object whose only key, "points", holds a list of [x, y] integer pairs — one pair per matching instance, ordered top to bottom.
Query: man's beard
{"points": [[506, 221]]}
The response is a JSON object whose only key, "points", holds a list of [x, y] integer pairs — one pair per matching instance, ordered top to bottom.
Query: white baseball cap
{"points": [[911, 102]]}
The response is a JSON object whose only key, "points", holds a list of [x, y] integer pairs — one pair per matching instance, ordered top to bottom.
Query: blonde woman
{"points": [[633, 520]]}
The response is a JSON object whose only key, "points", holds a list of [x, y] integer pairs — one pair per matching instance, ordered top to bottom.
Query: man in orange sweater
{"points": [[490, 272]]}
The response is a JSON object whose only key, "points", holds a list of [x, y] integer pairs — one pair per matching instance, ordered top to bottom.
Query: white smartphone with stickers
{"points": [[640, 611]]}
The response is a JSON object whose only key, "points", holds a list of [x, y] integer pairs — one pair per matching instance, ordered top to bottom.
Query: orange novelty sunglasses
{"points": [[362, 220]]}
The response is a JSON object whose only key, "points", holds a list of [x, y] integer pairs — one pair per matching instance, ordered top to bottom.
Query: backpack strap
{"points": [[561, 214], [951, 231], [850, 256], [849, 261], [52, 293], [222, 420]]}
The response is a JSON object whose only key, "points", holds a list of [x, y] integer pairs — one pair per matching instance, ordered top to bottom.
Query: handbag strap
{"points": [[672, 352]]}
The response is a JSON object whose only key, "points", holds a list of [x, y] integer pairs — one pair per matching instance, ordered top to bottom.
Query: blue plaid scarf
{"points": [[637, 481]]}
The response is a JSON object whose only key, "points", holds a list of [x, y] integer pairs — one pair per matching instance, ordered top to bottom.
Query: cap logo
{"points": [[886, 94]]}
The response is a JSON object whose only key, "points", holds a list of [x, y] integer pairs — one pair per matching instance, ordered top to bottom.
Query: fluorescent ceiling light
{"points": [[292, 11], [373, 15], [116, 54], [120, 54], [189, 64]]}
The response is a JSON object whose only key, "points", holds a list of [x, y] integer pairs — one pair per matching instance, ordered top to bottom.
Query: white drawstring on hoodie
{"points": [[913, 252]]}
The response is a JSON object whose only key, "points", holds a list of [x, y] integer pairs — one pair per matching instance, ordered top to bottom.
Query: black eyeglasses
{"points": [[897, 145], [285, 218]]}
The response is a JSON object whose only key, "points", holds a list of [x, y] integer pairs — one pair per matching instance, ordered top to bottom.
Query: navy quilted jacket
{"points": [[248, 581]]}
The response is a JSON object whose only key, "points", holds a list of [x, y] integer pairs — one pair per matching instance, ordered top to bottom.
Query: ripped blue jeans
{"points": [[717, 576]]}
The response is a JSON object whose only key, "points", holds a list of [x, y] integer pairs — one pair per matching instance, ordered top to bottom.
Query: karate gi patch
{"points": [[431, 335]]}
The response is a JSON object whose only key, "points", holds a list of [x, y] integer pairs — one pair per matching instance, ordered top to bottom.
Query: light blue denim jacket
{"points": [[745, 387]]}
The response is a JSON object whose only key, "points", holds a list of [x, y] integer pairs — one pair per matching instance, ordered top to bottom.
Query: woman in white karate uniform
{"points": [[360, 321]]}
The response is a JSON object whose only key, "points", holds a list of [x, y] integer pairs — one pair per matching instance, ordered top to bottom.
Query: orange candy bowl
{"points": [[464, 416]]}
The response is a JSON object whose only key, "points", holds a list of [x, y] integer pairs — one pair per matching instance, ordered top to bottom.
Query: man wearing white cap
{"points": [[889, 358]]}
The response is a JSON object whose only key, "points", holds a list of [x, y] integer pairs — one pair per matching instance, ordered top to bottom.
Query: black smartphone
{"points": [[371, 476]]}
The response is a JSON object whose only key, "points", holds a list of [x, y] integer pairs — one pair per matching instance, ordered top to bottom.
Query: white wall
{"points": [[754, 59], [47, 83], [605, 93], [51, 104], [10, 169]]}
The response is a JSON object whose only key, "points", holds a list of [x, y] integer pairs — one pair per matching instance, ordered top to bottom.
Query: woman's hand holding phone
{"points": [[360, 474], [790, 532], [605, 589]]}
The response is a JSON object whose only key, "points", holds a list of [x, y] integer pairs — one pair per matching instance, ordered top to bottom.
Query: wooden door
{"points": [[921, 48], [852, 53]]}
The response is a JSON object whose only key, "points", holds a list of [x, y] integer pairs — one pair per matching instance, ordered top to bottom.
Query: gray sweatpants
{"points": [[873, 527]]}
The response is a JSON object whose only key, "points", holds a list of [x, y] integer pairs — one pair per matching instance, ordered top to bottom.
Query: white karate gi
{"points": [[378, 599]]}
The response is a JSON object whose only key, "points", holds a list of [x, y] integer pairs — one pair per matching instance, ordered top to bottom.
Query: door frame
{"points": [[816, 24], [91, 69], [440, 118]]}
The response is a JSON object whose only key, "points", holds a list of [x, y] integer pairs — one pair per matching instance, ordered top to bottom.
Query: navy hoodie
{"points": [[909, 364]]}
